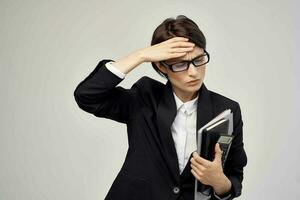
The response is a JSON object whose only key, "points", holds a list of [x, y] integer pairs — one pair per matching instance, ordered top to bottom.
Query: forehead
{"points": [[190, 55]]}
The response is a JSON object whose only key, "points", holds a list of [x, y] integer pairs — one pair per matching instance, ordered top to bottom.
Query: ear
{"points": [[161, 67]]}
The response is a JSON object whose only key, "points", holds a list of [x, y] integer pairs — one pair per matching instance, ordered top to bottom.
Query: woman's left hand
{"points": [[211, 172]]}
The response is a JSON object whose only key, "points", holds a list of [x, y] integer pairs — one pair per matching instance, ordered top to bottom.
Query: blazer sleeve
{"points": [[99, 95], [237, 158]]}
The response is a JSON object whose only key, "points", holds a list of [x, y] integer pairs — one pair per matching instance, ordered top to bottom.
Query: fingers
{"points": [[177, 39], [180, 42], [182, 45], [173, 48], [182, 50], [177, 55], [218, 148], [218, 152], [200, 160], [198, 167], [198, 170], [196, 175]]}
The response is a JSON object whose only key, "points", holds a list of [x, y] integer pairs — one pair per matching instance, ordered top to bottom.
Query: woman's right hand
{"points": [[171, 48]]}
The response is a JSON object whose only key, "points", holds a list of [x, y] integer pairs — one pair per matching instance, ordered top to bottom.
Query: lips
{"points": [[193, 81]]}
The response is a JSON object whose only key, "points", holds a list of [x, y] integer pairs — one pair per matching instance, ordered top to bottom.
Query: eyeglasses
{"points": [[184, 65]]}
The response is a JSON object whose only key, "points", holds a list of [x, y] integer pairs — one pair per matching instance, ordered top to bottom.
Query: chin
{"points": [[193, 88]]}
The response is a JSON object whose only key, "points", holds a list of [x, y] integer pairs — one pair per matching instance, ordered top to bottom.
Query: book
{"points": [[210, 136], [207, 137]]}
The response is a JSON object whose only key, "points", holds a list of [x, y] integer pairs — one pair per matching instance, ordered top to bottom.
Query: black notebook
{"points": [[210, 136], [207, 137]]}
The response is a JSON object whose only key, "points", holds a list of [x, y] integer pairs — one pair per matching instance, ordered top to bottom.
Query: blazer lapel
{"points": [[205, 109], [166, 113], [205, 113]]}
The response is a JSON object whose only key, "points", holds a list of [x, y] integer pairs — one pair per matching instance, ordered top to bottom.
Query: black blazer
{"points": [[150, 170]]}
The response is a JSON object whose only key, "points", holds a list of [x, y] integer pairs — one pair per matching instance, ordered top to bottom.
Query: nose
{"points": [[192, 70]]}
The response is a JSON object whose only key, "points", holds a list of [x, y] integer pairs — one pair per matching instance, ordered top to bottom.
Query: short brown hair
{"points": [[179, 27]]}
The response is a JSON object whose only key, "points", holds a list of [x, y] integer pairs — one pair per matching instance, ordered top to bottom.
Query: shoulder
{"points": [[148, 83], [149, 90], [219, 98], [221, 102]]}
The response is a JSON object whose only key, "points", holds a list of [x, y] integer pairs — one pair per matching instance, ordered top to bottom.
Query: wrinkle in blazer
{"points": [[150, 170]]}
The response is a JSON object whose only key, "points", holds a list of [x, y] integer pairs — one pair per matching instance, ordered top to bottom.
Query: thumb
{"points": [[218, 152]]}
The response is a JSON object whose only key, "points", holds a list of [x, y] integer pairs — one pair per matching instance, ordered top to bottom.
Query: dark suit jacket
{"points": [[150, 170]]}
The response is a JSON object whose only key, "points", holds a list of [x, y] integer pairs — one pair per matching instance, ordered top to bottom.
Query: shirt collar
{"points": [[190, 106]]}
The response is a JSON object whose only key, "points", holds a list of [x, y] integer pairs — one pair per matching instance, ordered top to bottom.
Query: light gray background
{"points": [[50, 149]]}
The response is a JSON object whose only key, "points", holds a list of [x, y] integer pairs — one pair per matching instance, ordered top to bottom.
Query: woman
{"points": [[162, 119]]}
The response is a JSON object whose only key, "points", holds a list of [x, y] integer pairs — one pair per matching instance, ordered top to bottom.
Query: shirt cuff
{"points": [[114, 70], [223, 198]]}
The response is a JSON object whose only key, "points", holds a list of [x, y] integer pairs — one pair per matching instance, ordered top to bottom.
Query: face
{"points": [[180, 80]]}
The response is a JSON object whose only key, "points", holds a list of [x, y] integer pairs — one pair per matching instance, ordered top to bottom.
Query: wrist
{"points": [[139, 54], [129, 62], [223, 186]]}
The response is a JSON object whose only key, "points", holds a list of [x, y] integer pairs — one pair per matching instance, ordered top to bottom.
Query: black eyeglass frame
{"points": [[188, 62]]}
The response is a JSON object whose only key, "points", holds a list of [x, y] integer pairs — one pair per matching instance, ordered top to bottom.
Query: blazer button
{"points": [[176, 190]]}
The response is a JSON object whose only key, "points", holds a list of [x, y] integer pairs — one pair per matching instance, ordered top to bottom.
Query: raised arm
{"points": [[99, 94]]}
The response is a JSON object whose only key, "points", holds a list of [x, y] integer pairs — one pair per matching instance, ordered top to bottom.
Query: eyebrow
{"points": [[196, 56], [192, 58]]}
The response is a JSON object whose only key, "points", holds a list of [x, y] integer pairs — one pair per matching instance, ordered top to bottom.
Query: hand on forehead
{"points": [[190, 55]]}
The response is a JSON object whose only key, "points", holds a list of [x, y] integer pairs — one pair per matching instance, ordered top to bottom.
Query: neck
{"points": [[184, 96]]}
